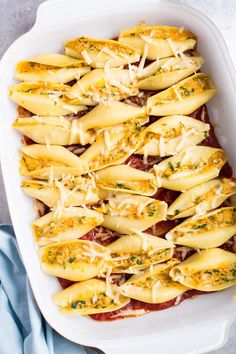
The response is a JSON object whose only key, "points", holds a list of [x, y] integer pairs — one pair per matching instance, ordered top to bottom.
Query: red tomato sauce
{"points": [[94, 235], [139, 305]]}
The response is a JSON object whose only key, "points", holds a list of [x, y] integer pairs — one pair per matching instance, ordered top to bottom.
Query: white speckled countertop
{"points": [[17, 17]]}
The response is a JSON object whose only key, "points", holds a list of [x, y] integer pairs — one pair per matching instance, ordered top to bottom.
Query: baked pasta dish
{"points": [[134, 194]]}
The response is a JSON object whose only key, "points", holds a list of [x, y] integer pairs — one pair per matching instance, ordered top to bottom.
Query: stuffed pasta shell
{"points": [[161, 41], [97, 52], [56, 68], [166, 72], [102, 86], [43, 98], [182, 98], [108, 115], [54, 130], [58, 130], [172, 134], [113, 146], [41, 161], [190, 168], [126, 179], [73, 190], [202, 198], [132, 213], [70, 223], [207, 231], [132, 253], [75, 260], [209, 270], [154, 285], [90, 297]]}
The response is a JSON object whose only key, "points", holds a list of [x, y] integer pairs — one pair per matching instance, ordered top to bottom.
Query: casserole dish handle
{"points": [[60, 13], [195, 340]]}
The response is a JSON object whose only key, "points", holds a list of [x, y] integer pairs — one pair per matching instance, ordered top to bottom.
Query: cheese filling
{"points": [[155, 33], [97, 47], [174, 65], [33, 67], [190, 88], [105, 90], [51, 93], [178, 134], [121, 144], [35, 164], [181, 169], [72, 183], [144, 186], [224, 187], [131, 208], [223, 218], [58, 225], [70, 255], [151, 256], [212, 277], [158, 280], [97, 301]]}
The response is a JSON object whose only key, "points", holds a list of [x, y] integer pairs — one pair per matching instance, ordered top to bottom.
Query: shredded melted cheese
{"points": [[86, 57], [142, 61], [120, 86], [143, 237], [155, 288]]}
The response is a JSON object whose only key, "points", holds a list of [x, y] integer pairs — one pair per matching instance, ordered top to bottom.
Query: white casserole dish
{"points": [[196, 326]]}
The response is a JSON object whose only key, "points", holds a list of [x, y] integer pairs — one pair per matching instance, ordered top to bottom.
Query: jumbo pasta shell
{"points": [[162, 41], [97, 52], [57, 68], [168, 72], [99, 86], [182, 98], [46, 99], [108, 115], [55, 130], [172, 134], [113, 146], [41, 161], [190, 168], [126, 179], [74, 190], [202, 198], [132, 213], [71, 223], [206, 231], [132, 253], [76, 260], [209, 270], [154, 286], [90, 297]]}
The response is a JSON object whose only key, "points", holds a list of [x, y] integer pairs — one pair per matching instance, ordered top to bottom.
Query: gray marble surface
{"points": [[17, 17]]}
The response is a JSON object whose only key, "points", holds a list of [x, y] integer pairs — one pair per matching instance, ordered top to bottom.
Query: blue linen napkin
{"points": [[23, 330]]}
